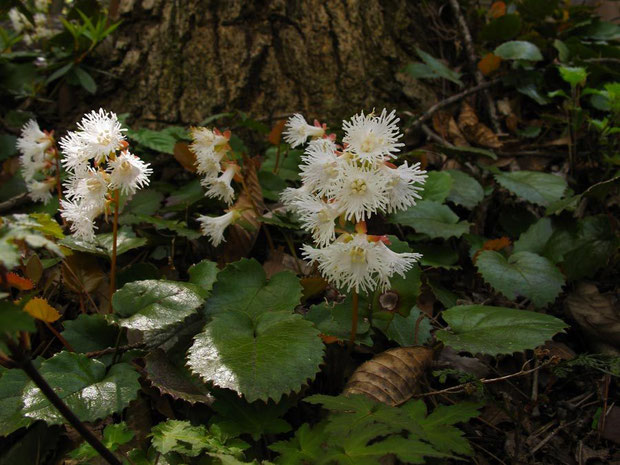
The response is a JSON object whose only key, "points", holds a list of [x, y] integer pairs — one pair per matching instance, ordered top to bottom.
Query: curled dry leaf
{"points": [[468, 116], [476, 132], [185, 156], [241, 239], [81, 273], [18, 282], [598, 316], [393, 376]]}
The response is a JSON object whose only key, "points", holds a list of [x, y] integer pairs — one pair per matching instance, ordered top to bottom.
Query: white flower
{"points": [[298, 130], [101, 134], [373, 137], [206, 141], [33, 142], [76, 156], [208, 164], [322, 166], [128, 173], [404, 184], [90, 187], [220, 188], [360, 190], [40, 191], [318, 217], [82, 218], [214, 227], [360, 263]]}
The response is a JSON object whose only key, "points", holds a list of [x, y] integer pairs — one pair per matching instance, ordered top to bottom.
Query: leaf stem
{"points": [[114, 246], [354, 317], [63, 341], [26, 364]]}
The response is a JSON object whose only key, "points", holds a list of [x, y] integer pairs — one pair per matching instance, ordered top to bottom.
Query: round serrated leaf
{"points": [[533, 186], [466, 190], [522, 274], [153, 304], [496, 330], [262, 359], [84, 386]]}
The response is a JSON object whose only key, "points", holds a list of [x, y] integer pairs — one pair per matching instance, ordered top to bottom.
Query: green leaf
{"points": [[505, 27], [518, 50], [439, 68], [420, 71], [574, 75], [85, 79], [159, 141], [8, 146], [458, 151], [437, 186], [533, 186], [466, 191], [145, 202], [433, 219], [535, 238], [102, 245], [438, 256], [203, 274], [523, 274], [243, 287], [153, 304], [14, 319], [335, 320], [402, 329], [496, 330], [88, 333], [260, 357], [12, 384], [84, 386], [235, 416], [114, 435], [305, 447]]}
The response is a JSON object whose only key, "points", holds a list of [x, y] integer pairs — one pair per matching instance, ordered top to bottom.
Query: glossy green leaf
{"points": [[518, 50], [574, 75], [437, 186], [533, 186], [466, 191], [433, 219], [203, 274], [523, 274], [154, 304], [496, 330], [88, 333], [261, 357], [12, 384], [84, 385]]}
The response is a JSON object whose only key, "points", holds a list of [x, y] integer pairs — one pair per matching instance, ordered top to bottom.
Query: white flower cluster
{"points": [[32, 32], [211, 149], [38, 161], [98, 163], [352, 182]]}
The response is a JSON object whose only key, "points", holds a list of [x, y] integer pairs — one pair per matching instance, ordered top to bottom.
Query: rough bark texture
{"points": [[181, 61]]}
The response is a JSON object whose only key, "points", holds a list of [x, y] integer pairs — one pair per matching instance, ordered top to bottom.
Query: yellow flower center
{"points": [[358, 186], [358, 255]]}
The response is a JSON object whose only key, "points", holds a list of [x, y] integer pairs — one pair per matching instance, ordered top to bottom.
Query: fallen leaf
{"points": [[489, 63], [468, 116], [276, 132], [482, 135], [185, 156], [493, 244], [18, 282], [41, 310], [393, 376]]}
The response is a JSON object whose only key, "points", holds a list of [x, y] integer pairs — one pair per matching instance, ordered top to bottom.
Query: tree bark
{"points": [[180, 61]]}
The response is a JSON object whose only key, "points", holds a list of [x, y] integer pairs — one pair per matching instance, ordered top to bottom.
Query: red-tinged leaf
{"points": [[497, 9], [489, 63], [276, 132], [493, 244], [18, 282], [328, 339]]}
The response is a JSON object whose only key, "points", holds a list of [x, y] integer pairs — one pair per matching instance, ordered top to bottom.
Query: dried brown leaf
{"points": [[468, 116], [482, 135], [185, 156], [81, 273], [393, 376]]}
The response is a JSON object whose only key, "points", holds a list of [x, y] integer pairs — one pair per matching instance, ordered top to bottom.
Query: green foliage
{"points": [[518, 50], [432, 68], [574, 75], [159, 141], [437, 186], [533, 186], [466, 191], [433, 219], [103, 243], [522, 274], [204, 275], [155, 304], [335, 320], [402, 330], [496, 330], [88, 333], [254, 344], [91, 391], [359, 430], [114, 435], [184, 438]]}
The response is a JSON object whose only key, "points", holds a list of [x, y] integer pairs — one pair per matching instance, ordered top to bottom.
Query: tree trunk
{"points": [[181, 61]]}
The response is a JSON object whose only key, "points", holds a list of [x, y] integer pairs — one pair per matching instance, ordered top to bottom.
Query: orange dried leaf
{"points": [[497, 9], [489, 63], [468, 116], [276, 132], [482, 135], [185, 156], [496, 244], [18, 282], [39, 308], [328, 339]]}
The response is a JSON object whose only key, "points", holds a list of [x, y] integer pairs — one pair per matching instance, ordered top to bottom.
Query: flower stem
{"points": [[114, 241], [354, 317], [26, 364]]}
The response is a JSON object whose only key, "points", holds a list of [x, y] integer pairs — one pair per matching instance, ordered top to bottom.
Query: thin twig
{"points": [[471, 57], [450, 100], [437, 138], [13, 202], [114, 247], [354, 316], [111, 350], [462, 387]]}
